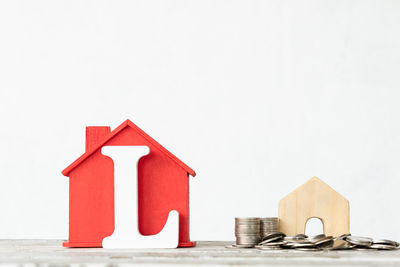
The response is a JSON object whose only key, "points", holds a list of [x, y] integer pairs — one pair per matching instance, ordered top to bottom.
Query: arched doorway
{"points": [[314, 226]]}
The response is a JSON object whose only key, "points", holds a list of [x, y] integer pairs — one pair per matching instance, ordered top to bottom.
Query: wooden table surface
{"points": [[51, 253]]}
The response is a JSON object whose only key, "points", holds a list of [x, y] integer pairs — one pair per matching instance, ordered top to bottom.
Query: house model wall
{"points": [[314, 199]]}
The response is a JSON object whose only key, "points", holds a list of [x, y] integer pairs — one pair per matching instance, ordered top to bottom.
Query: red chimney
{"points": [[95, 134]]}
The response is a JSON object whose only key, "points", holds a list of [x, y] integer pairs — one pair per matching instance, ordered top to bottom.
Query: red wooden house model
{"points": [[163, 185]]}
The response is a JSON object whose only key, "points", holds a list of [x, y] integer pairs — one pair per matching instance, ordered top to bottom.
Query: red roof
{"points": [[127, 123]]}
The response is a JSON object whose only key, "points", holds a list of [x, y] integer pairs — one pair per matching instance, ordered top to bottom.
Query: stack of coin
{"points": [[269, 225], [247, 232]]}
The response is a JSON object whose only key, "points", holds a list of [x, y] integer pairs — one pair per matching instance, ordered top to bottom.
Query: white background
{"points": [[256, 96]]}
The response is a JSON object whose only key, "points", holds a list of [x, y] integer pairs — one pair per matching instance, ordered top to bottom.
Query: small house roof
{"points": [[117, 130], [312, 182]]}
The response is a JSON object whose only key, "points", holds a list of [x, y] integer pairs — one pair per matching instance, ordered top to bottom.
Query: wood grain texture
{"points": [[314, 199]]}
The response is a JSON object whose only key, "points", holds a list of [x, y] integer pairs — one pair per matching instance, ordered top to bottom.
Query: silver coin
{"points": [[248, 220], [247, 223], [245, 226], [247, 231], [268, 232], [275, 234], [249, 236], [300, 236], [316, 237], [341, 237], [289, 238], [272, 239], [295, 239], [359, 240], [241, 241], [246, 242], [297, 242], [325, 242], [385, 242], [278, 243], [340, 244], [244, 245], [288, 245], [302, 245], [383, 246], [269, 247], [362, 248], [308, 249]]}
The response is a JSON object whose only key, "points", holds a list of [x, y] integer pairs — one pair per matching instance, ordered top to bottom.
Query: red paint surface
{"points": [[163, 186]]}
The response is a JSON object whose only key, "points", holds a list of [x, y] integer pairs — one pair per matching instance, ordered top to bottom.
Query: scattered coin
{"points": [[263, 234], [274, 235], [300, 236], [343, 236], [317, 237], [272, 239], [295, 239], [291, 240], [359, 241], [385, 242], [278, 243], [340, 244], [302, 245], [383, 246], [269, 247], [309, 249]]}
